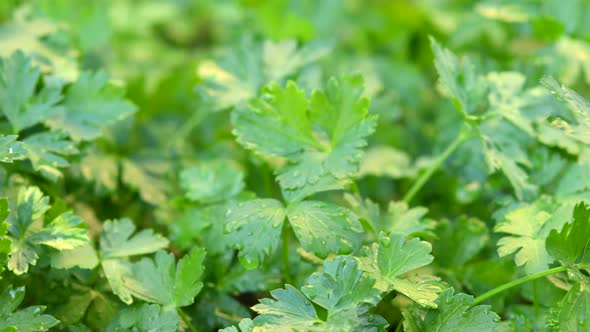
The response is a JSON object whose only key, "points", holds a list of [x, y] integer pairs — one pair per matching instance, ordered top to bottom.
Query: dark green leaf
{"points": [[91, 105], [211, 183], [255, 227], [324, 228], [117, 240], [572, 244], [158, 281], [454, 313], [145, 318], [30, 319]]}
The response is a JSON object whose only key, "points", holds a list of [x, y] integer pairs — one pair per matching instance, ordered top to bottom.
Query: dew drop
{"points": [[249, 262]]}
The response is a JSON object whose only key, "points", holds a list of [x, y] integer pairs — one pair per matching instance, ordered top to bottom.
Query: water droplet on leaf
{"points": [[249, 262]]}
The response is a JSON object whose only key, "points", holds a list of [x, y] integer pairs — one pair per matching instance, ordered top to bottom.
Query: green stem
{"points": [[190, 124], [462, 137], [267, 179], [355, 188], [285, 253], [517, 282], [536, 298], [186, 319], [400, 325]]}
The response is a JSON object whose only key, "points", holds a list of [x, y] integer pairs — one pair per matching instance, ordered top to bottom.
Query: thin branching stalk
{"points": [[517, 282]]}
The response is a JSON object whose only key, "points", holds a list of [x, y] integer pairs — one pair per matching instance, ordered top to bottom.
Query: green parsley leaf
{"points": [[506, 12], [87, 26], [29, 35], [566, 57], [240, 74], [458, 79], [508, 98], [18, 100], [90, 106], [502, 110], [282, 123], [275, 124], [579, 128], [10, 149], [46, 150], [503, 153], [386, 161], [102, 170], [142, 174], [146, 177], [211, 183], [572, 183], [31, 205], [401, 219], [206, 226], [255, 226], [528, 226], [324, 228], [63, 233], [527, 239], [117, 240], [5, 241], [459, 241], [572, 244], [84, 257], [392, 257], [159, 282], [332, 288], [342, 290], [217, 308], [74, 309], [288, 309], [454, 312], [571, 313], [145, 318], [30, 319], [245, 325]]}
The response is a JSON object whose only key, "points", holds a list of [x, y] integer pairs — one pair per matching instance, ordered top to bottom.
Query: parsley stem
{"points": [[193, 121], [462, 137], [285, 253], [517, 282], [536, 298], [186, 319], [400, 325]]}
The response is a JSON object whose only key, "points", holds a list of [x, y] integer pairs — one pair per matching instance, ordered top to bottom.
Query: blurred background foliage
{"points": [[158, 49]]}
